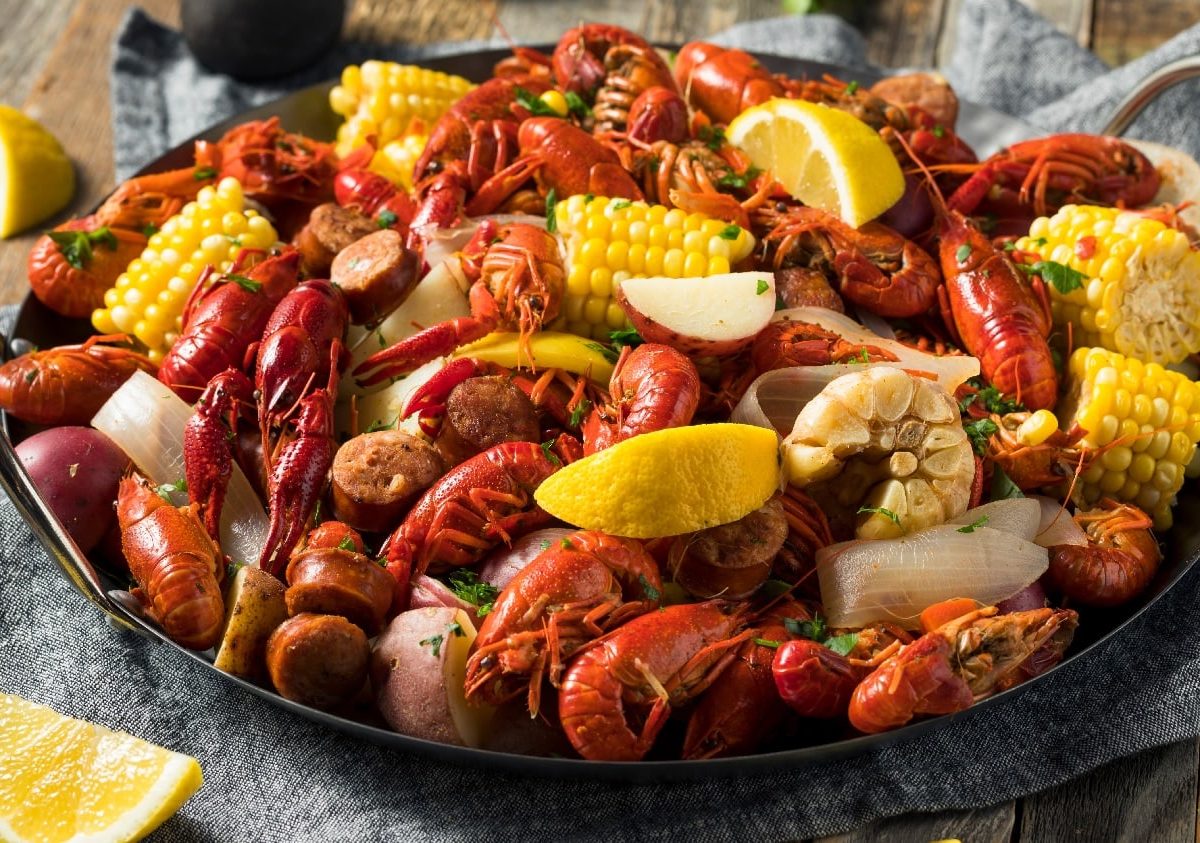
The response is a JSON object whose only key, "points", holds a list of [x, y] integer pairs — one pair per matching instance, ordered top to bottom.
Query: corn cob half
{"points": [[381, 98], [609, 240], [1141, 293], [148, 297], [1144, 419]]}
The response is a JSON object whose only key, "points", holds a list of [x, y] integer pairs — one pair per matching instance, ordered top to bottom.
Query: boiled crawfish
{"points": [[581, 57], [68, 384], [207, 455], [175, 563], [1117, 563], [572, 592], [966, 660], [619, 690]]}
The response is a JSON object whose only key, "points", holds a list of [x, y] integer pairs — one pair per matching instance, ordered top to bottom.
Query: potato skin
{"points": [[654, 331], [76, 471], [377, 476], [332, 581], [254, 608], [318, 660], [410, 677]]}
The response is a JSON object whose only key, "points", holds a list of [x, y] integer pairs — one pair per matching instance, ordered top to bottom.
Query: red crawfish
{"points": [[580, 60], [631, 71], [872, 266], [520, 282], [225, 314], [997, 314], [784, 343], [69, 384], [653, 387], [207, 442], [299, 472], [486, 500], [1118, 561], [174, 562], [571, 593], [963, 661], [640, 671]]}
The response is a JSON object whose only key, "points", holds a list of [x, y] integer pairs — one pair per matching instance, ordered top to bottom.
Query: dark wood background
{"points": [[54, 65]]}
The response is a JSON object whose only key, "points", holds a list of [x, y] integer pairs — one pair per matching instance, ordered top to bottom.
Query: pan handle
{"points": [[1148, 90]]}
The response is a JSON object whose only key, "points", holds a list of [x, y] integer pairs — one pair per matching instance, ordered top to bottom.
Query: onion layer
{"points": [[147, 420]]}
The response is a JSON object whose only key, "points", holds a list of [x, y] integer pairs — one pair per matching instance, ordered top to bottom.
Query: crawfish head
{"points": [[986, 647]]}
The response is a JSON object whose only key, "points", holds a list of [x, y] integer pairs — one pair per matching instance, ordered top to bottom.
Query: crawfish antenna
{"points": [[931, 185]]}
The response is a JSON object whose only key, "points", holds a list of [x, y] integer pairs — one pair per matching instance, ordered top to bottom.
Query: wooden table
{"points": [[55, 65]]}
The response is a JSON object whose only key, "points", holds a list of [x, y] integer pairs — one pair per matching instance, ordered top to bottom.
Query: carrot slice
{"points": [[946, 611]]}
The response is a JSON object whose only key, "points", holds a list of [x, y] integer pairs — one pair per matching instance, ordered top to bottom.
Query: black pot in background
{"points": [[260, 39]]}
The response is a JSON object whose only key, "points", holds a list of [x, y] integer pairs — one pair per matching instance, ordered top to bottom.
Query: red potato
{"points": [[712, 316], [76, 470], [505, 562], [417, 670]]}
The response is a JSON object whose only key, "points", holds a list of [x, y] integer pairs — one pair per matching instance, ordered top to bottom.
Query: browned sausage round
{"points": [[928, 91], [330, 229], [376, 275], [482, 412], [377, 476], [731, 560], [332, 581], [318, 660]]}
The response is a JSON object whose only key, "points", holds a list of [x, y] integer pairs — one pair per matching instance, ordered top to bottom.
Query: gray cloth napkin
{"points": [[273, 776]]}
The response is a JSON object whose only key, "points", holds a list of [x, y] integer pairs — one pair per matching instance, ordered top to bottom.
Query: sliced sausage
{"points": [[929, 92], [329, 230], [376, 275], [802, 287], [482, 412], [377, 476], [730, 560], [332, 581], [318, 660]]}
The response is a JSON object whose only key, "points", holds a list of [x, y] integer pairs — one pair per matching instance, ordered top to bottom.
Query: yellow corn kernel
{"points": [[147, 299], [1037, 428]]}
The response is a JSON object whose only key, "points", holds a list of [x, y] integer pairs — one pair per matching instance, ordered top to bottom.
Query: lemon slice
{"points": [[826, 158], [36, 177], [668, 482], [66, 779]]}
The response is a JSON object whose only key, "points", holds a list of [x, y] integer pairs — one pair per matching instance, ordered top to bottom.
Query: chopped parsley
{"points": [[852, 88], [534, 104], [576, 105], [939, 131], [712, 136], [204, 173], [739, 181], [620, 204], [551, 206], [386, 218], [149, 229], [730, 232], [76, 246], [963, 253], [1061, 277], [247, 284], [761, 287], [625, 336], [605, 351], [992, 399], [579, 412], [379, 424], [979, 431], [550, 455], [1002, 486], [164, 490], [880, 510], [981, 521], [346, 543], [467, 586], [648, 589], [456, 629], [817, 630], [767, 642], [435, 643], [842, 644]]}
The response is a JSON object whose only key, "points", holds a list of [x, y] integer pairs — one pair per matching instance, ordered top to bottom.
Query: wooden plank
{"points": [[419, 21], [661, 21], [1122, 30], [30, 32], [901, 33], [70, 97], [1150, 796], [984, 825]]}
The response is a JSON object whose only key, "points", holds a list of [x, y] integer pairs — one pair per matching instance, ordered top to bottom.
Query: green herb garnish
{"points": [[880, 510], [981, 521]]}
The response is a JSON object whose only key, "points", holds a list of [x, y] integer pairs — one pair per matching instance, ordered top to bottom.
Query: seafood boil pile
{"points": [[626, 404]]}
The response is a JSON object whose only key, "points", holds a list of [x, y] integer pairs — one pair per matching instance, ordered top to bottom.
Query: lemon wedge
{"points": [[826, 158], [36, 177], [550, 350], [667, 482], [67, 779]]}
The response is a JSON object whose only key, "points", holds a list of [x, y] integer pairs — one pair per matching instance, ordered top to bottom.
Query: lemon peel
{"points": [[37, 179]]}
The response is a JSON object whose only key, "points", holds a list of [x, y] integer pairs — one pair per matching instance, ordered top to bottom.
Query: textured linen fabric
{"points": [[270, 775]]}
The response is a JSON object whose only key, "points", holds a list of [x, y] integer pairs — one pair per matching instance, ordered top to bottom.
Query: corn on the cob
{"points": [[381, 98], [396, 160], [609, 240], [1141, 295], [148, 297], [1144, 419]]}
